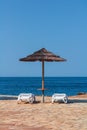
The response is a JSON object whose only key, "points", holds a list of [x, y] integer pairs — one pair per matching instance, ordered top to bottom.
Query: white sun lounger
{"points": [[26, 97], [56, 97]]}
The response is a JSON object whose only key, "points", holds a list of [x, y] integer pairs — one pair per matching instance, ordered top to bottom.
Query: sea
{"points": [[69, 85]]}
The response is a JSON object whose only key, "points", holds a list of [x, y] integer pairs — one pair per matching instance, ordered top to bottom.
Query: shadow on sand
{"points": [[8, 97], [77, 101]]}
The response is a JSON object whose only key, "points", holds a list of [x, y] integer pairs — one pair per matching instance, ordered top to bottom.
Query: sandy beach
{"points": [[44, 116]]}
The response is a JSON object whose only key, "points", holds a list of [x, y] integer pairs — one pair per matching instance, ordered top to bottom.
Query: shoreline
{"points": [[15, 97]]}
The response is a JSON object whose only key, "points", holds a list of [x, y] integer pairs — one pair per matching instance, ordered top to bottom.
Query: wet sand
{"points": [[44, 116]]}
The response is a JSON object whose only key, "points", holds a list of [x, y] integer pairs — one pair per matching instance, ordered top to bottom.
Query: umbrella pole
{"points": [[43, 81]]}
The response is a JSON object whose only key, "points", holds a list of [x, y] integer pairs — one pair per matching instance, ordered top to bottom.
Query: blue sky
{"points": [[60, 26]]}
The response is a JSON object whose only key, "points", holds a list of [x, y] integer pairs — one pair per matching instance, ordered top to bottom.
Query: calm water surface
{"points": [[17, 85]]}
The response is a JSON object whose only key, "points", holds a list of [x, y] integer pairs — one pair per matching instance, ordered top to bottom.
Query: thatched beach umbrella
{"points": [[42, 55]]}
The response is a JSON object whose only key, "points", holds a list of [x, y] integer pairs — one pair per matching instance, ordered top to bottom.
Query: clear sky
{"points": [[60, 26]]}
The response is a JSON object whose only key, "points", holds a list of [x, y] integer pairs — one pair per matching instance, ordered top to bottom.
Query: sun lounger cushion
{"points": [[26, 97], [56, 97]]}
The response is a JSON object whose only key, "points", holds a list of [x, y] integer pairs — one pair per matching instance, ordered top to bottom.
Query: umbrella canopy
{"points": [[42, 55]]}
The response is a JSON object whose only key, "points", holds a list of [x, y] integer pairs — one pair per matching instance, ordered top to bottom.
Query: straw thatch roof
{"points": [[42, 55]]}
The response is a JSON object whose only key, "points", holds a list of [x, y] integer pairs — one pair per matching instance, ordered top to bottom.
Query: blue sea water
{"points": [[17, 85]]}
